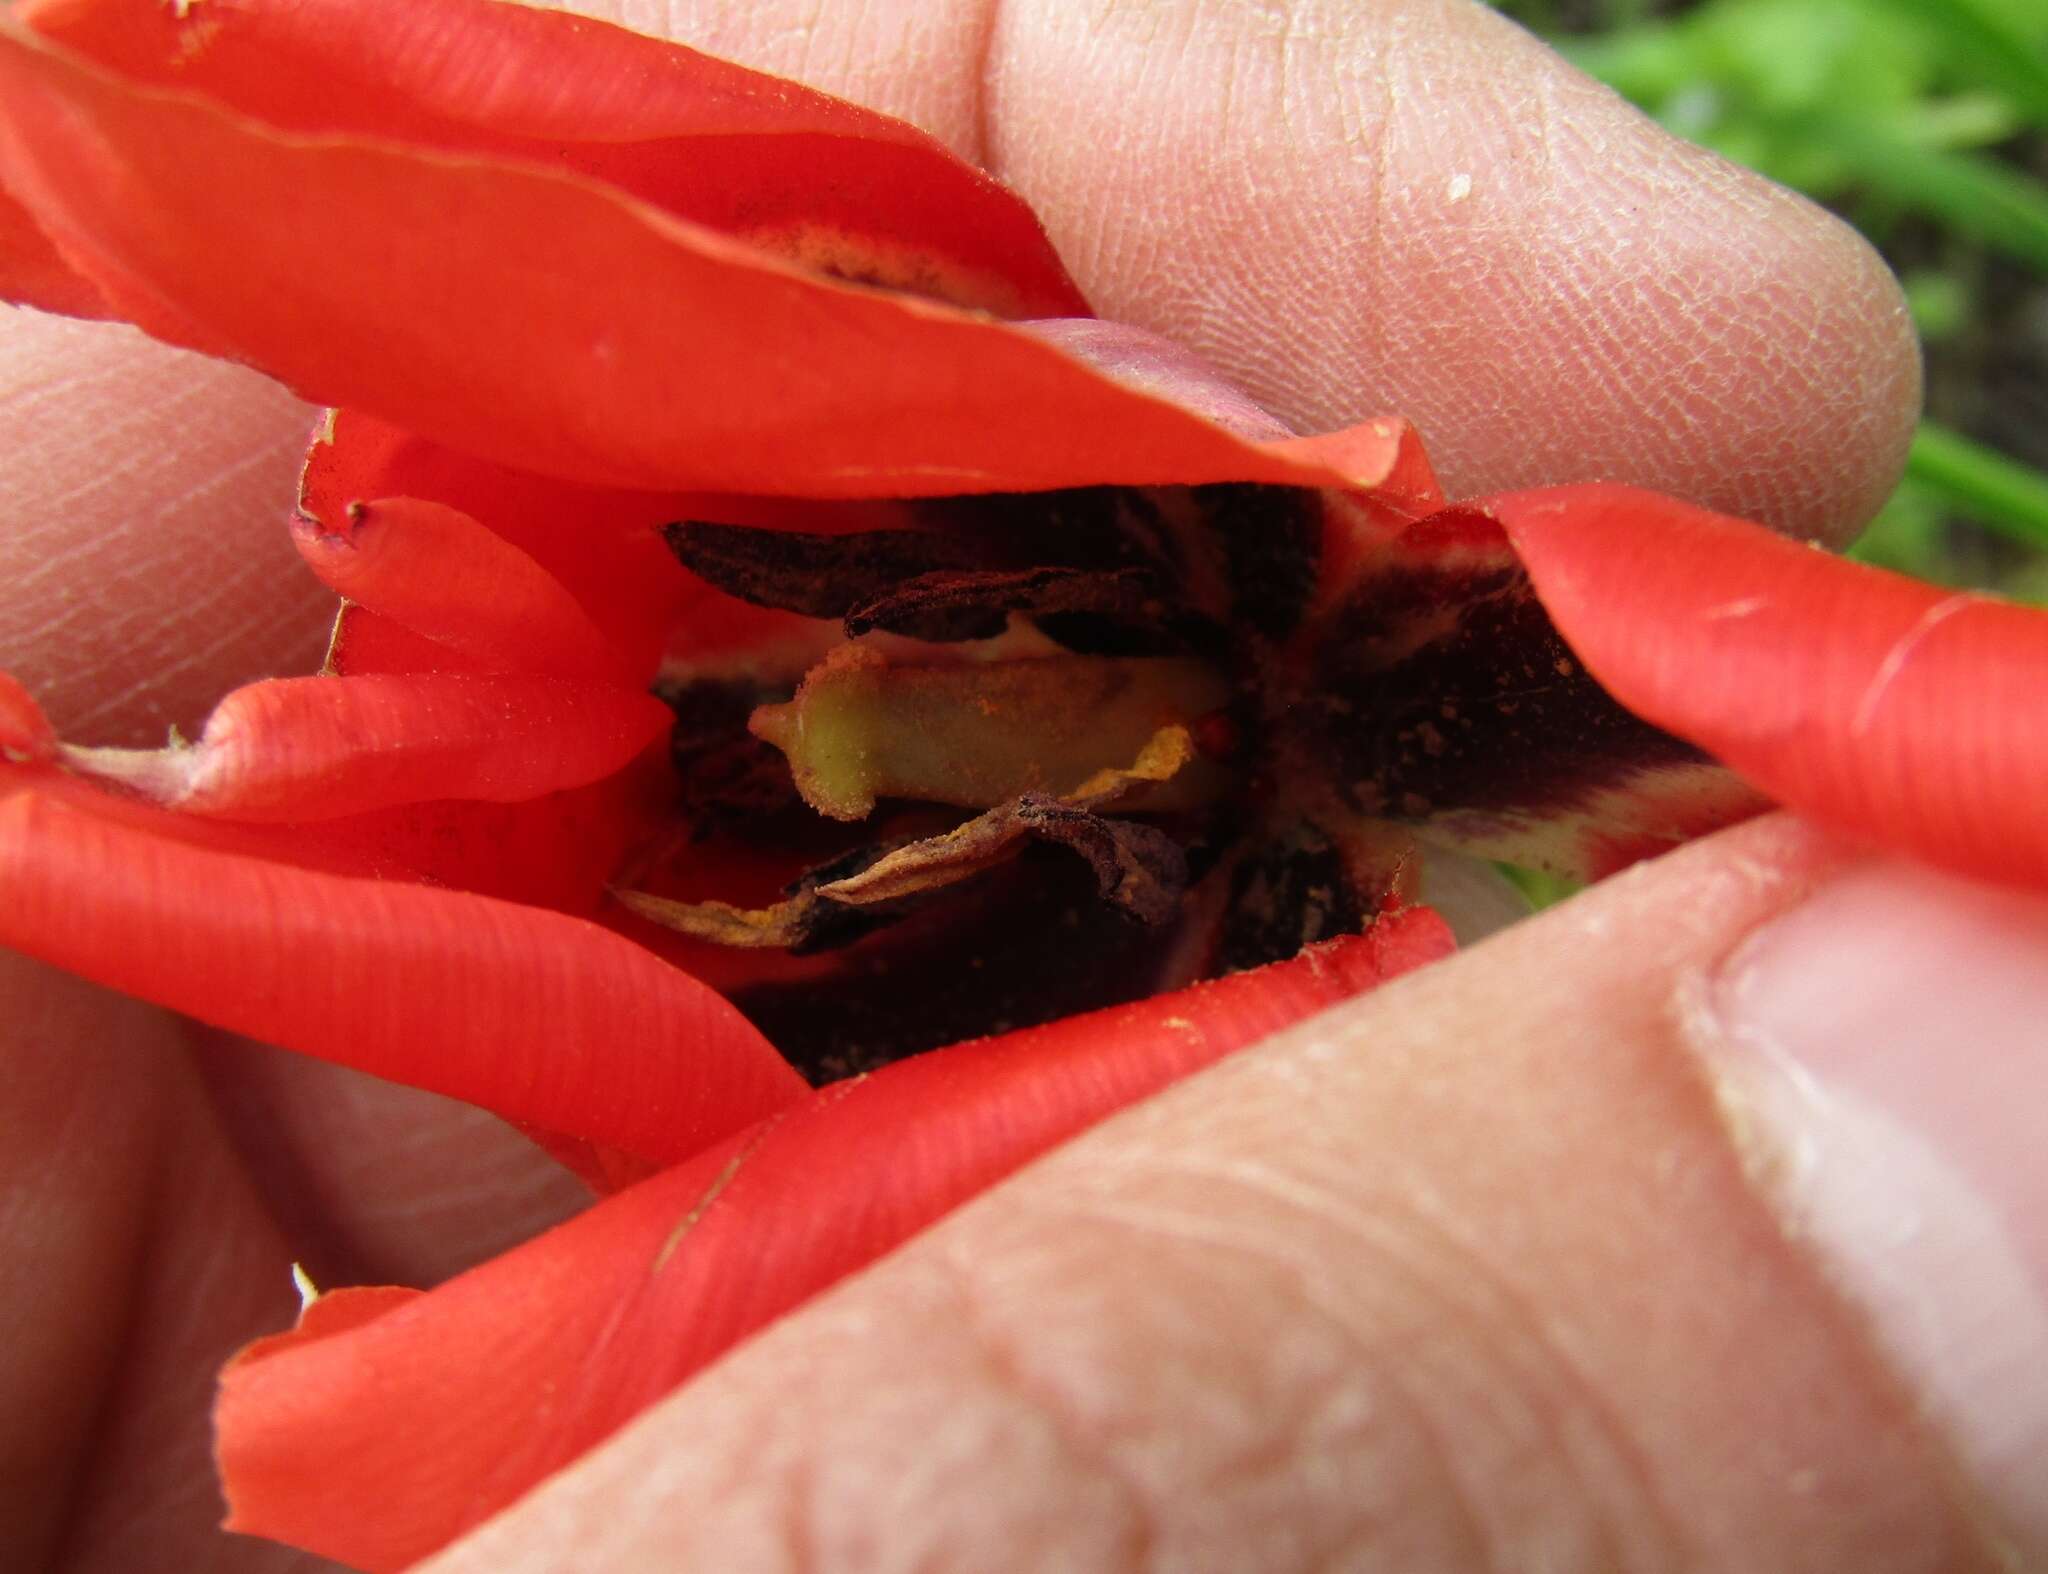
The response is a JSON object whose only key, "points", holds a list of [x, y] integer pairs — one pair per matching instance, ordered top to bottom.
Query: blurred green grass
{"points": [[1925, 124]]}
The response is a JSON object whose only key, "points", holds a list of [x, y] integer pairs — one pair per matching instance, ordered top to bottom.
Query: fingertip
{"points": [[1414, 207], [1773, 349], [1879, 1051]]}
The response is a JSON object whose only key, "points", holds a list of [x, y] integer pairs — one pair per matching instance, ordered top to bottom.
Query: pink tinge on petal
{"points": [[1153, 364], [1909, 715], [311, 748], [550, 1021], [445, 1409]]}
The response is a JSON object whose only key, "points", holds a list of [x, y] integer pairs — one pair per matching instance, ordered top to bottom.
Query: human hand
{"points": [[1326, 319]]}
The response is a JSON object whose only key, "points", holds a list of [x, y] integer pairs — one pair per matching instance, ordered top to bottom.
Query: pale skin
{"points": [[1467, 1272]]}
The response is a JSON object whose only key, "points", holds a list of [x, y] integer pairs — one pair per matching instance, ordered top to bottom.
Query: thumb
{"points": [[1615, 1242]]}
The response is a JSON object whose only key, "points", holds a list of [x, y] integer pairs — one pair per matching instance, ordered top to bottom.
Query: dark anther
{"points": [[1083, 527], [816, 576], [1099, 589], [949, 605], [1139, 869], [825, 925], [1038, 946]]}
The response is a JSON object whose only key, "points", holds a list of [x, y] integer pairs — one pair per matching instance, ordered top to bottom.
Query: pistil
{"points": [[980, 734]]}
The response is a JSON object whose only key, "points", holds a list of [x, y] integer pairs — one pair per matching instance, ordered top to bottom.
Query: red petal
{"points": [[818, 180], [33, 274], [558, 326], [598, 544], [441, 574], [365, 643], [1907, 714], [25, 732], [309, 748], [561, 851], [548, 1020], [335, 1312], [444, 1410]]}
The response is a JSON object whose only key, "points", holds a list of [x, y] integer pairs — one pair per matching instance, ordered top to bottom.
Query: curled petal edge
{"points": [[1907, 715]]}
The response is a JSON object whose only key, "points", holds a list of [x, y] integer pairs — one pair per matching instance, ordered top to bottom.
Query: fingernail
{"points": [[1882, 1053]]}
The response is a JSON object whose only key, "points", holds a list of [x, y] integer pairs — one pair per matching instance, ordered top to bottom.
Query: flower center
{"points": [[1058, 722]]}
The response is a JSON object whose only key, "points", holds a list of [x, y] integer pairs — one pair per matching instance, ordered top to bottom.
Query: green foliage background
{"points": [[1925, 124]]}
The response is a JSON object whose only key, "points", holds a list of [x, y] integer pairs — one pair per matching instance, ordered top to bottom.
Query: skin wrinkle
{"points": [[989, 24], [907, 60], [1432, 377], [128, 435], [1312, 1206], [1414, 1242], [1395, 1253], [1006, 1361], [992, 1434], [1289, 1446], [1611, 1470], [1185, 1492], [800, 1547]]}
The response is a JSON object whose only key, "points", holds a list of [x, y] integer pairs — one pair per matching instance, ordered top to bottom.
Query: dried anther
{"points": [[817, 576], [945, 588], [946, 606], [1444, 685], [1138, 868], [805, 920]]}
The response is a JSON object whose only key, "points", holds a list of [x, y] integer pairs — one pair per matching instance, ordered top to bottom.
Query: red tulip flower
{"points": [[786, 639]]}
